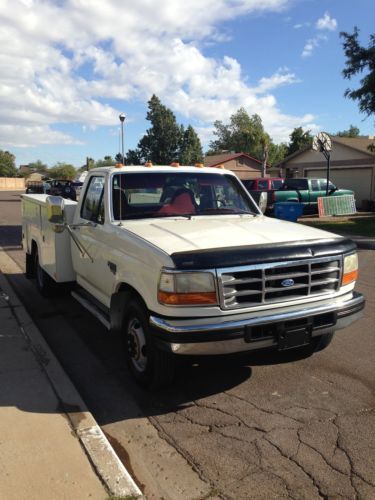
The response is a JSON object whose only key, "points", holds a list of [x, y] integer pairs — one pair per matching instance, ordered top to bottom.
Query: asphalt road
{"points": [[259, 426]]}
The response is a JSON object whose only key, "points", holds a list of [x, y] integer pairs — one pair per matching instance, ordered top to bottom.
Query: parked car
{"points": [[77, 185], [263, 185], [34, 187], [63, 188], [306, 190]]}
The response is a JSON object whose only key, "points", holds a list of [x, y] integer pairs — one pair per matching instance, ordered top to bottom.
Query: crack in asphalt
{"points": [[163, 434], [257, 463], [353, 472], [307, 473]]}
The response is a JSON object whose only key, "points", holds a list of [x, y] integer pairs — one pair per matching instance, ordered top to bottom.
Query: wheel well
{"points": [[34, 247], [30, 260], [119, 302]]}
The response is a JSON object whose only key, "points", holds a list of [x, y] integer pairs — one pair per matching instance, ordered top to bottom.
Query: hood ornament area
{"points": [[287, 282]]}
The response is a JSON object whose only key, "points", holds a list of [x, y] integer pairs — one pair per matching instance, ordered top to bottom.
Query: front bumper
{"points": [[220, 335]]}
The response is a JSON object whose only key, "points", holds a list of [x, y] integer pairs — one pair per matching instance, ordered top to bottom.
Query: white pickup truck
{"points": [[181, 261]]}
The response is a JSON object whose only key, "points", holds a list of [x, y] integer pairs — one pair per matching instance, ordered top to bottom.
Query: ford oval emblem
{"points": [[287, 282]]}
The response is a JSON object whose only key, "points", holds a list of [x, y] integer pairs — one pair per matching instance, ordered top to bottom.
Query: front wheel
{"points": [[151, 367]]}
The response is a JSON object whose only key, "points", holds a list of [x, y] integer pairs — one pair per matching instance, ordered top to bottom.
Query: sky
{"points": [[68, 68]]}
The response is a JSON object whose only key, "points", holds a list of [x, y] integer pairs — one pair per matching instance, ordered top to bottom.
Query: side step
{"points": [[87, 303]]}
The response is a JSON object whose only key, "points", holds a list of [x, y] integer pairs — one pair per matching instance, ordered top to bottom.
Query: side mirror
{"points": [[262, 203], [55, 210]]}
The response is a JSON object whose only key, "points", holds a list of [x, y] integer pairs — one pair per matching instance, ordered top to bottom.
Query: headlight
{"points": [[350, 272], [183, 289]]}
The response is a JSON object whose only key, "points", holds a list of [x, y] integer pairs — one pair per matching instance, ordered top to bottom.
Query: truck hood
{"points": [[202, 233]]}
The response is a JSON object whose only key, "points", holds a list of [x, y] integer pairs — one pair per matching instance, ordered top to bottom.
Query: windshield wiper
{"points": [[225, 210], [153, 215]]}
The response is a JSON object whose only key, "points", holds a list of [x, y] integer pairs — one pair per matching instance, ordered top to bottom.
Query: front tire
{"points": [[151, 367]]}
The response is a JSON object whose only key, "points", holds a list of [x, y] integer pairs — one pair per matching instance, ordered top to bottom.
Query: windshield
{"points": [[148, 194]]}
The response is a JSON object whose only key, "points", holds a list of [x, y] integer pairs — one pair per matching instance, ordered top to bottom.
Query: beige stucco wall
{"points": [[245, 170], [360, 180], [11, 183]]}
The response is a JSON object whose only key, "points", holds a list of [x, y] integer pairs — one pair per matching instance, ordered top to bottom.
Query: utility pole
{"points": [[122, 119]]}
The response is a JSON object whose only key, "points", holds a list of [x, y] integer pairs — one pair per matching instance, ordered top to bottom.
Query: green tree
{"points": [[360, 60], [351, 132], [243, 134], [162, 140], [299, 140], [191, 148], [277, 152], [133, 157], [107, 161], [90, 163], [7, 164], [38, 166], [62, 171]]}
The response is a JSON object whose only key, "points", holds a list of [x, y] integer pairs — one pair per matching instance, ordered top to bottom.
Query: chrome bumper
{"points": [[206, 336]]}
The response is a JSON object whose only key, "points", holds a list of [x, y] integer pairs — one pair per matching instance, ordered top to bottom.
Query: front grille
{"points": [[248, 286]]}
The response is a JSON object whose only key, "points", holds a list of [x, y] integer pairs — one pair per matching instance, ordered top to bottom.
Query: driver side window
{"points": [[93, 204]]}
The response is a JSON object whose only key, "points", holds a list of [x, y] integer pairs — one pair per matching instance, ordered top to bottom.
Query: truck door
{"points": [[314, 190], [92, 268]]}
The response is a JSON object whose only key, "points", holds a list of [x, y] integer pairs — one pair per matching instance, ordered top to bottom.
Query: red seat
{"points": [[182, 203]]}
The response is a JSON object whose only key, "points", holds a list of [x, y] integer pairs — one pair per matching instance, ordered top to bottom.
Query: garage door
{"points": [[359, 181]]}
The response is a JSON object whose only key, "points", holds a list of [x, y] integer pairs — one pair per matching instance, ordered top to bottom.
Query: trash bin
{"points": [[288, 210]]}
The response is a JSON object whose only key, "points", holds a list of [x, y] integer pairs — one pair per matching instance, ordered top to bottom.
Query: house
{"points": [[242, 164], [352, 166]]}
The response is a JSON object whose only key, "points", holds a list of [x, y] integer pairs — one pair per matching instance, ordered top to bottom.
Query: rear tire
{"points": [[45, 284], [151, 367]]}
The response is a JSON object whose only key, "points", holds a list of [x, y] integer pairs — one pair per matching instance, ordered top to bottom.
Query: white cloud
{"points": [[326, 23], [298, 26], [312, 43], [62, 62], [281, 77]]}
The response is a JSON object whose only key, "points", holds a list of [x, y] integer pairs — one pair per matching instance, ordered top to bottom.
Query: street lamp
{"points": [[122, 119]]}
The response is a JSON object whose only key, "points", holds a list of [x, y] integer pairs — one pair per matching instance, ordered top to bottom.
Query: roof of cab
{"points": [[160, 168]]}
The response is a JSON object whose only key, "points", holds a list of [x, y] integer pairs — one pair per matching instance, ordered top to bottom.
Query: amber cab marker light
{"points": [[148, 164], [175, 164], [119, 165], [199, 165]]}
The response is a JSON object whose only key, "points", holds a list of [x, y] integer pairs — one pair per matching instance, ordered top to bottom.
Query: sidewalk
{"points": [[50, 445]]}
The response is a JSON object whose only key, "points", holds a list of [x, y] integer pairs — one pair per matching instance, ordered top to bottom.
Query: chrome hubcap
{"points": [[136, 345]]}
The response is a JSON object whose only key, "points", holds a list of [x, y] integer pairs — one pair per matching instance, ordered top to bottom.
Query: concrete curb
{"points": [[96, 446]]}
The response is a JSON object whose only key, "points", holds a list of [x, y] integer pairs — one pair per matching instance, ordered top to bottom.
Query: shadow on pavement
{"points": [[93, 359]]}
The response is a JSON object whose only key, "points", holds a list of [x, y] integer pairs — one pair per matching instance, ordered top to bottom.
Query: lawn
{"points": [[363, 226]]}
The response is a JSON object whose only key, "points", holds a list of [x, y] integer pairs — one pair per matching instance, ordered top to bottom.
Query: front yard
{"points": [[356, 225]]}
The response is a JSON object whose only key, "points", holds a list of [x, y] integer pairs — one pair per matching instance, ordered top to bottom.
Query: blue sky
{"points": [[68, 68]]}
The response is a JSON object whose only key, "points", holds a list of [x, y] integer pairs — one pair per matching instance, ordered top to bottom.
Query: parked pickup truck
{"points": [[265, 185], [306, 190], [180, 261]]}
